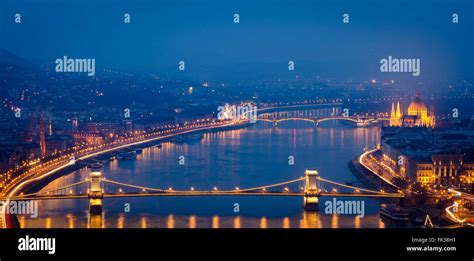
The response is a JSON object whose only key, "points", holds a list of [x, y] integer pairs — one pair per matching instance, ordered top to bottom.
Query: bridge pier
{"points": [[311, 191], [95, 193]]}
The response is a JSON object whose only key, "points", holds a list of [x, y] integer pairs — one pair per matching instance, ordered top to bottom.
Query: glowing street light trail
{"points": [[361, 161], [28, 180]]}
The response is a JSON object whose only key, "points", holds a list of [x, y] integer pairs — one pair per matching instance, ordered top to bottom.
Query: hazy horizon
{"points": [[310, 33]]}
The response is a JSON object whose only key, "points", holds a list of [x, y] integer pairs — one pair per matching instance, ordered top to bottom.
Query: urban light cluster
{"points": [[59, 158]]}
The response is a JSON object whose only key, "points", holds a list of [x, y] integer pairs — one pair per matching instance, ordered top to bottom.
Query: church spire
{"points": [[392, 112], [399, 113], [394, 121]]}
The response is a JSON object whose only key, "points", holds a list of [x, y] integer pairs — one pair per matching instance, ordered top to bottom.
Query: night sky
{"points": [[270, 33]]}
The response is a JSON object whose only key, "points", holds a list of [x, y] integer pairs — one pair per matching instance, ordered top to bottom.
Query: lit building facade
{"points": [[417, 115], [88, 138], [416, 158], [442, 169], [467, 176]]}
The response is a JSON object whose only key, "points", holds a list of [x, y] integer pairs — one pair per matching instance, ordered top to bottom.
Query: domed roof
{"points": [[417, 102], [417, 106]]}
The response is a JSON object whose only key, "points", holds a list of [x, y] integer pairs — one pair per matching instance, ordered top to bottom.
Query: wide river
{"points": [[249, 157]]}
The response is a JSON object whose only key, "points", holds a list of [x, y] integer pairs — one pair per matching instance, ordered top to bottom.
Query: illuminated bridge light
{"points": [[215, 188], [237, 188], [170, 189], [192, 189], [120, 190], [287, 190], [334, 190], [357, 191]]}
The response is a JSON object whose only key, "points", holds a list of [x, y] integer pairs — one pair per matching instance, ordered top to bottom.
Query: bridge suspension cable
{"points": [[133, 186], [269, 186], [354, 188], [260, 190], [199, 191], [36, 194]]}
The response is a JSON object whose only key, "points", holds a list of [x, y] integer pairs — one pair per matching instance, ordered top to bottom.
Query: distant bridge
{"points": [[360, 121], [311, 187]]}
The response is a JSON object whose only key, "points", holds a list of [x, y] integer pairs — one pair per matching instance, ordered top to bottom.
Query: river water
{"points": [[249, 157]]}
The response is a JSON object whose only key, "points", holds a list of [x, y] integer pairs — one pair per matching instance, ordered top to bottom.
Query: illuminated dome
{"points": [[417, 107], [417, 114]]}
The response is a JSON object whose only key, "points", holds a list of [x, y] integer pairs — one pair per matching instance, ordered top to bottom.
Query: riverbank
{"points": [[43, 179], [369, 179]]}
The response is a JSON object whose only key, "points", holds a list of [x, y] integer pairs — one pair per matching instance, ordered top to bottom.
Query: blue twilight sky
{"points": [[270, 33]]}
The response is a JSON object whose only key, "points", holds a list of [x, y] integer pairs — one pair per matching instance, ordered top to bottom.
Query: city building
{"points": [[417, 114], [88, 138], [56, 143], [408, 143], [441, 157], [444, 169]]}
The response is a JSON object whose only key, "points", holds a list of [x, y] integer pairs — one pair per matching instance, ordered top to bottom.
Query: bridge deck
{"points": [[210, 193]]}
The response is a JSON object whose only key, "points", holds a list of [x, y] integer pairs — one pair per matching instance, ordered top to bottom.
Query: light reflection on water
{"points": [[237, 158], [308, 220]]}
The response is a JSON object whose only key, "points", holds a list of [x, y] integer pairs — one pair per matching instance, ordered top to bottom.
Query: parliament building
{"points": [[416, 116]]}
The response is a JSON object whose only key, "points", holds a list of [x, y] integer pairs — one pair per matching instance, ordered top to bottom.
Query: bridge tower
{"points": [[311, 191], [95, 193]]}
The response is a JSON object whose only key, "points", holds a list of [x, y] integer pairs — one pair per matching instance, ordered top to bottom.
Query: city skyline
{"points": [[334, 127]]}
